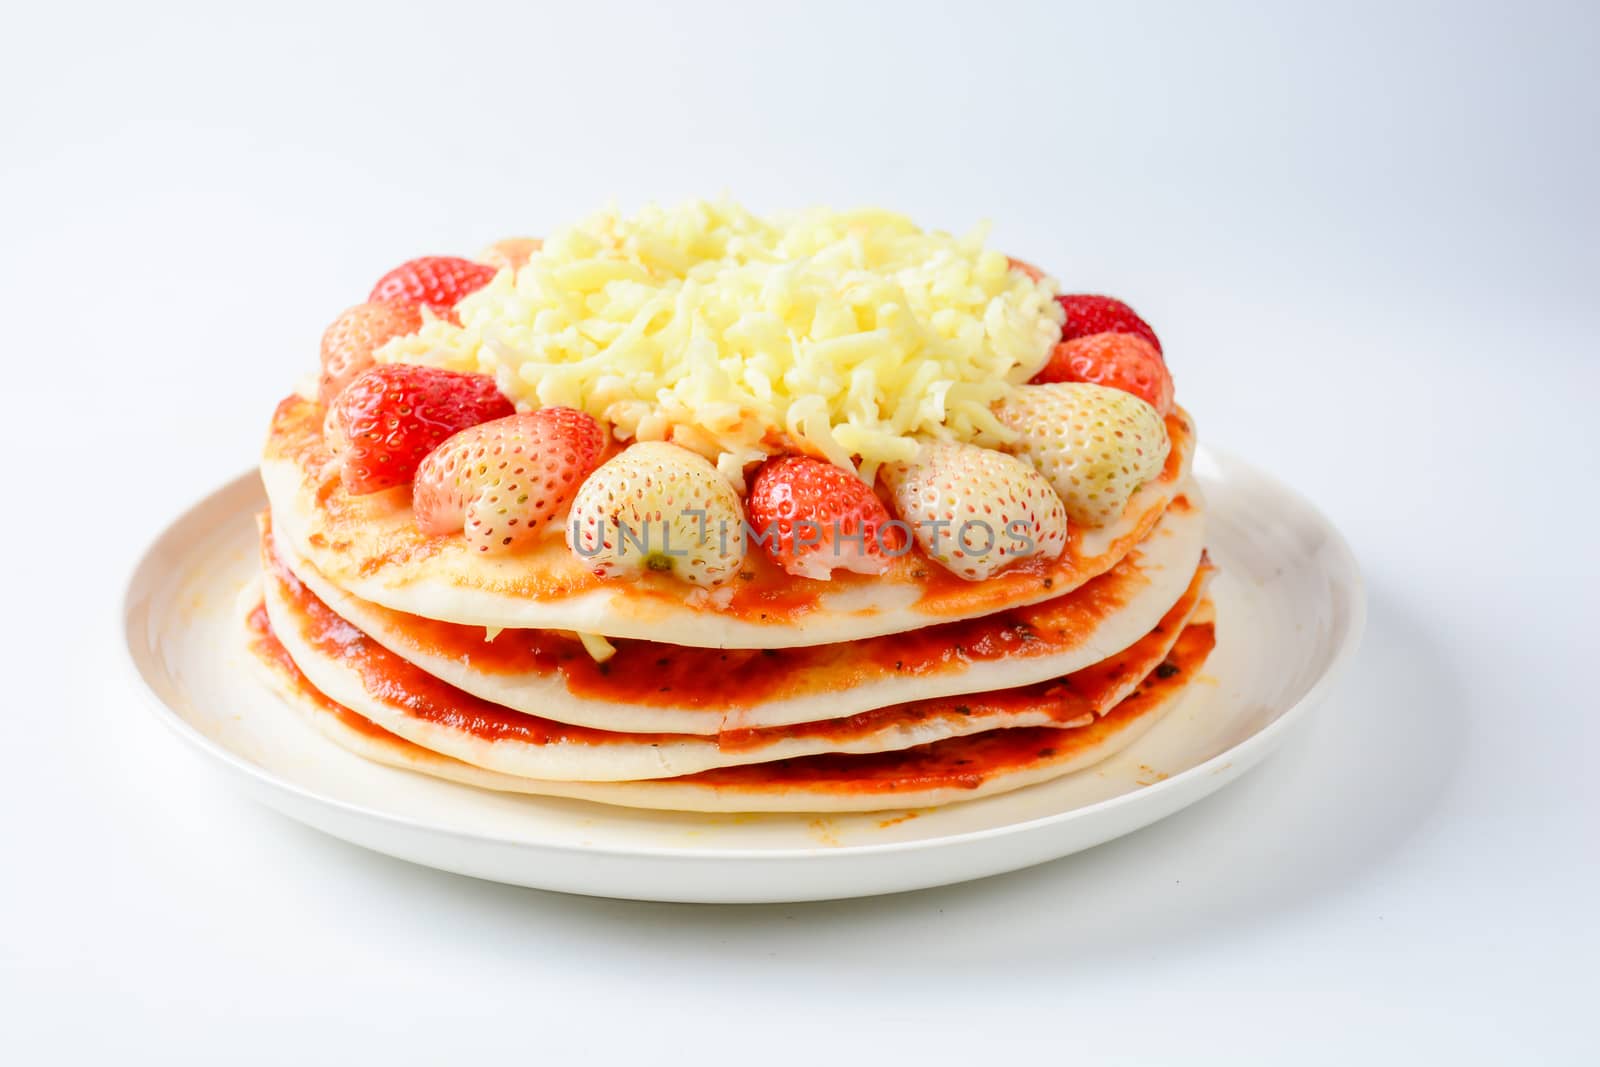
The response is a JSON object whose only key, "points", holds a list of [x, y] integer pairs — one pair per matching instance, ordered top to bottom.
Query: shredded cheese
{"points": [[845, 335], [597, 646]]}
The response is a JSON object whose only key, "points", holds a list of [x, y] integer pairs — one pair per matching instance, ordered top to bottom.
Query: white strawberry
{"points": [[348, 344], [1096, 444], [501, 481], [658, 507], [974, 510]]}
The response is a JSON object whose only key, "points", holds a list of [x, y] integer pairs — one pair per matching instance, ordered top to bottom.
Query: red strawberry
{"points": [[439, 281], [1088, 314], [348, 344], [1119, 360], [394, 414], [501, 481], [814, 518]]}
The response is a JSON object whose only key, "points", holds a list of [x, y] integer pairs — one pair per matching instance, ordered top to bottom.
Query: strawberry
{"points": [[510, 252], [439, 281], [1089, 314], [348, 344], [1120, 360], [394, 414], [1095, 444], [501, 481], [658, 507], [975, 511], [813, 518]]}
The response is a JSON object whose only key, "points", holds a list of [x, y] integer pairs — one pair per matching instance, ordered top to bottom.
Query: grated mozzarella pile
{"points": [[846, 335]]}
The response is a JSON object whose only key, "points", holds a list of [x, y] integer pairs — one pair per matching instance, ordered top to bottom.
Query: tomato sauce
{"points": [[266, 646], [726, 680], [396, 682], [1087, 692], [968, 762], [956, 763], [959, 763]]}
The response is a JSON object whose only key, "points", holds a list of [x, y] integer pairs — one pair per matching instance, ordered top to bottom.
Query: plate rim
{"points": [[1348, 643]]}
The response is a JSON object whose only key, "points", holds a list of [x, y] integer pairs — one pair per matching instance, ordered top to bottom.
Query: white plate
{"points": [[1290, 608]]}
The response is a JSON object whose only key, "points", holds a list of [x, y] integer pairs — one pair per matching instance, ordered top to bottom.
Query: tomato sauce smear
{"points": [[726, 681], [410, 690], [956, 763]]}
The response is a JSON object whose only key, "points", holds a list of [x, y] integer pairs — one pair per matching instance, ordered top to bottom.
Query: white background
{"points": [[1366, 234]]}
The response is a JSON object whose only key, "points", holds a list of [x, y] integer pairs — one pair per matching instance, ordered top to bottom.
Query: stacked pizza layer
{"points": [[858, 668]]}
